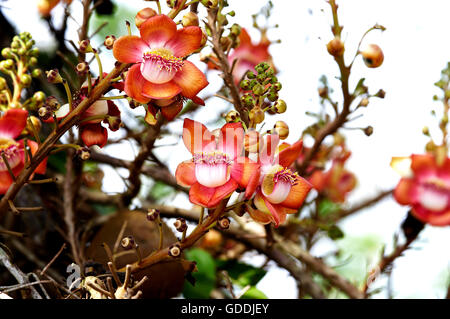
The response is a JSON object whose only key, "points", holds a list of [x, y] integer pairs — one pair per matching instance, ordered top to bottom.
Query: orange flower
{"points": [[159, 70], [12, 124], [216, 169], [426, 189], [279, 190]]}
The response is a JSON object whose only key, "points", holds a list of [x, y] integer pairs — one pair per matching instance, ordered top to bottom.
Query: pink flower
{"points": [[160, 70], [12, 124], [216, 169], [427, 189], [279, 190]]}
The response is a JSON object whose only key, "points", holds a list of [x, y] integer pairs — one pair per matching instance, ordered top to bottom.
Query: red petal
{"points": [[157, 30], [244, 38], [186, 41], [129, 49], [190, 79], [134, 83], [160, 91], [197, 100], [113, 110], [172, 110], [12, 123], [94, 134], [196, 137], [231, 139], [268, 150], [290, 154], [422, 162], [42, 167], [243, 169], [185, 173], [5, 181], [403, 191], [222, 192], [298, 194], [211, 197], [275, 211], [432, 218]]}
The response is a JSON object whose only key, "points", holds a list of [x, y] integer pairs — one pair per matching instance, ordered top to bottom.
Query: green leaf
{"points": [[57, 162], [160, 191], [327, 207], [103, 209], [335, 232], [242, 274], [205, 278], [254, 293]]}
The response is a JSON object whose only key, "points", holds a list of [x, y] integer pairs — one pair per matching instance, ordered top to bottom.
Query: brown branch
{"points": [[216, 34]]}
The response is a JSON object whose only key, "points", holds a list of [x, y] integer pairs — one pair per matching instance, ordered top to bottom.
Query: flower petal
{"points": [[157, 30], [185, 41], [129, 49], [155, 73], [190, 79], [134, 83], [160, 91], [172, 110], [12, 123], [94, 134], [197, 138], [231, 139], [269, 148], [289, 155], [42, 167], [243, 169], [185, 173], [5, 181], [222, 192], [403, 193], [298, 194], [211, 197], [435, 219]]}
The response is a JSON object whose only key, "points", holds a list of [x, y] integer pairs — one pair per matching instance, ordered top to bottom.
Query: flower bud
{"points": [[172, 3], [210, 3], [143, 15], [190, 19], [235, 30], [204, 38], [109, 41], [85, 46], [336, 47], [22, 51], [34, 52], [7, 53], [373, 56], [33, 61], [7, 64], [262, 67], [82, 68], [36, 73], [250, 75], [53, 76], [25, 79], [277, 86], [258, 90], [323, 92], [381, 94], [39, 96], [272, 96], [52, 102], [364, 102], [280, 106], [45, 113], [257, 115], [232, 116], [33, 122], [114, 122], [282, 129], [368, 130], [426, 131], [251, 141], [84, 153], [152, 214], [223, 223], [180, 225], [128, 243], [175, 250]]}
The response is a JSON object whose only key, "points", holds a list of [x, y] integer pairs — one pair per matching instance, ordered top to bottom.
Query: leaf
{"points": [[57, 162], [160, 191], [327, 207], [104, 209], [335, 233], [242, 274], [205, 278], [254, 293]]}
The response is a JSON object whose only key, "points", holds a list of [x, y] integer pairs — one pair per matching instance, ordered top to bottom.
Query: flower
{"points": [[248, 55], [159, 69], [12, 123], [91, 130], [216, 169], [337, 182], [425, 188], [279, 190]]}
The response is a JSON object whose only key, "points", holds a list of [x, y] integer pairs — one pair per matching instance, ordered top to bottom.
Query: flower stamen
{"points": [[164, 59]]}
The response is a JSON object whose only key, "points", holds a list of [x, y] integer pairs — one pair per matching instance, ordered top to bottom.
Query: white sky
{"points": [[416, 49]]}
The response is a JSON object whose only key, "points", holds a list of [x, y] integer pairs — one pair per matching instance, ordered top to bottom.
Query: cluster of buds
{"points": [[19, 62], [262, 86]]}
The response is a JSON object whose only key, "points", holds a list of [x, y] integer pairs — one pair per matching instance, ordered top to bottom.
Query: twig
{"points": [[53, 259]]}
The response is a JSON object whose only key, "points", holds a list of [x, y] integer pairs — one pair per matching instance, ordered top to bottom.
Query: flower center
{"points": [[164, 59], [10, 149], [212, 169], [277, 183], [435, 194]]}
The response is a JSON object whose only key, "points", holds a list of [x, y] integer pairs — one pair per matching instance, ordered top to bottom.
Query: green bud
{"points": [[210, 3], [231, 13], [235, 30], [30, 44], [15, 45], [22, 51], [34, 52], [7, 53], [32, 61], [8, 64], [262, 67], [36, 73], [250, 75], [261, 77], [25, 79], [2, 83], [245, 84], [277, 86], [258, 89], [39, 96], [272, 96], [248, 101], [280, 106], [256, 115], [232, 116], [426, 131]]}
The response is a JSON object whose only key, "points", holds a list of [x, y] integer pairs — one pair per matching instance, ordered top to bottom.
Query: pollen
{"points": [[164, 59], [212, 158], [286, 175]]}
